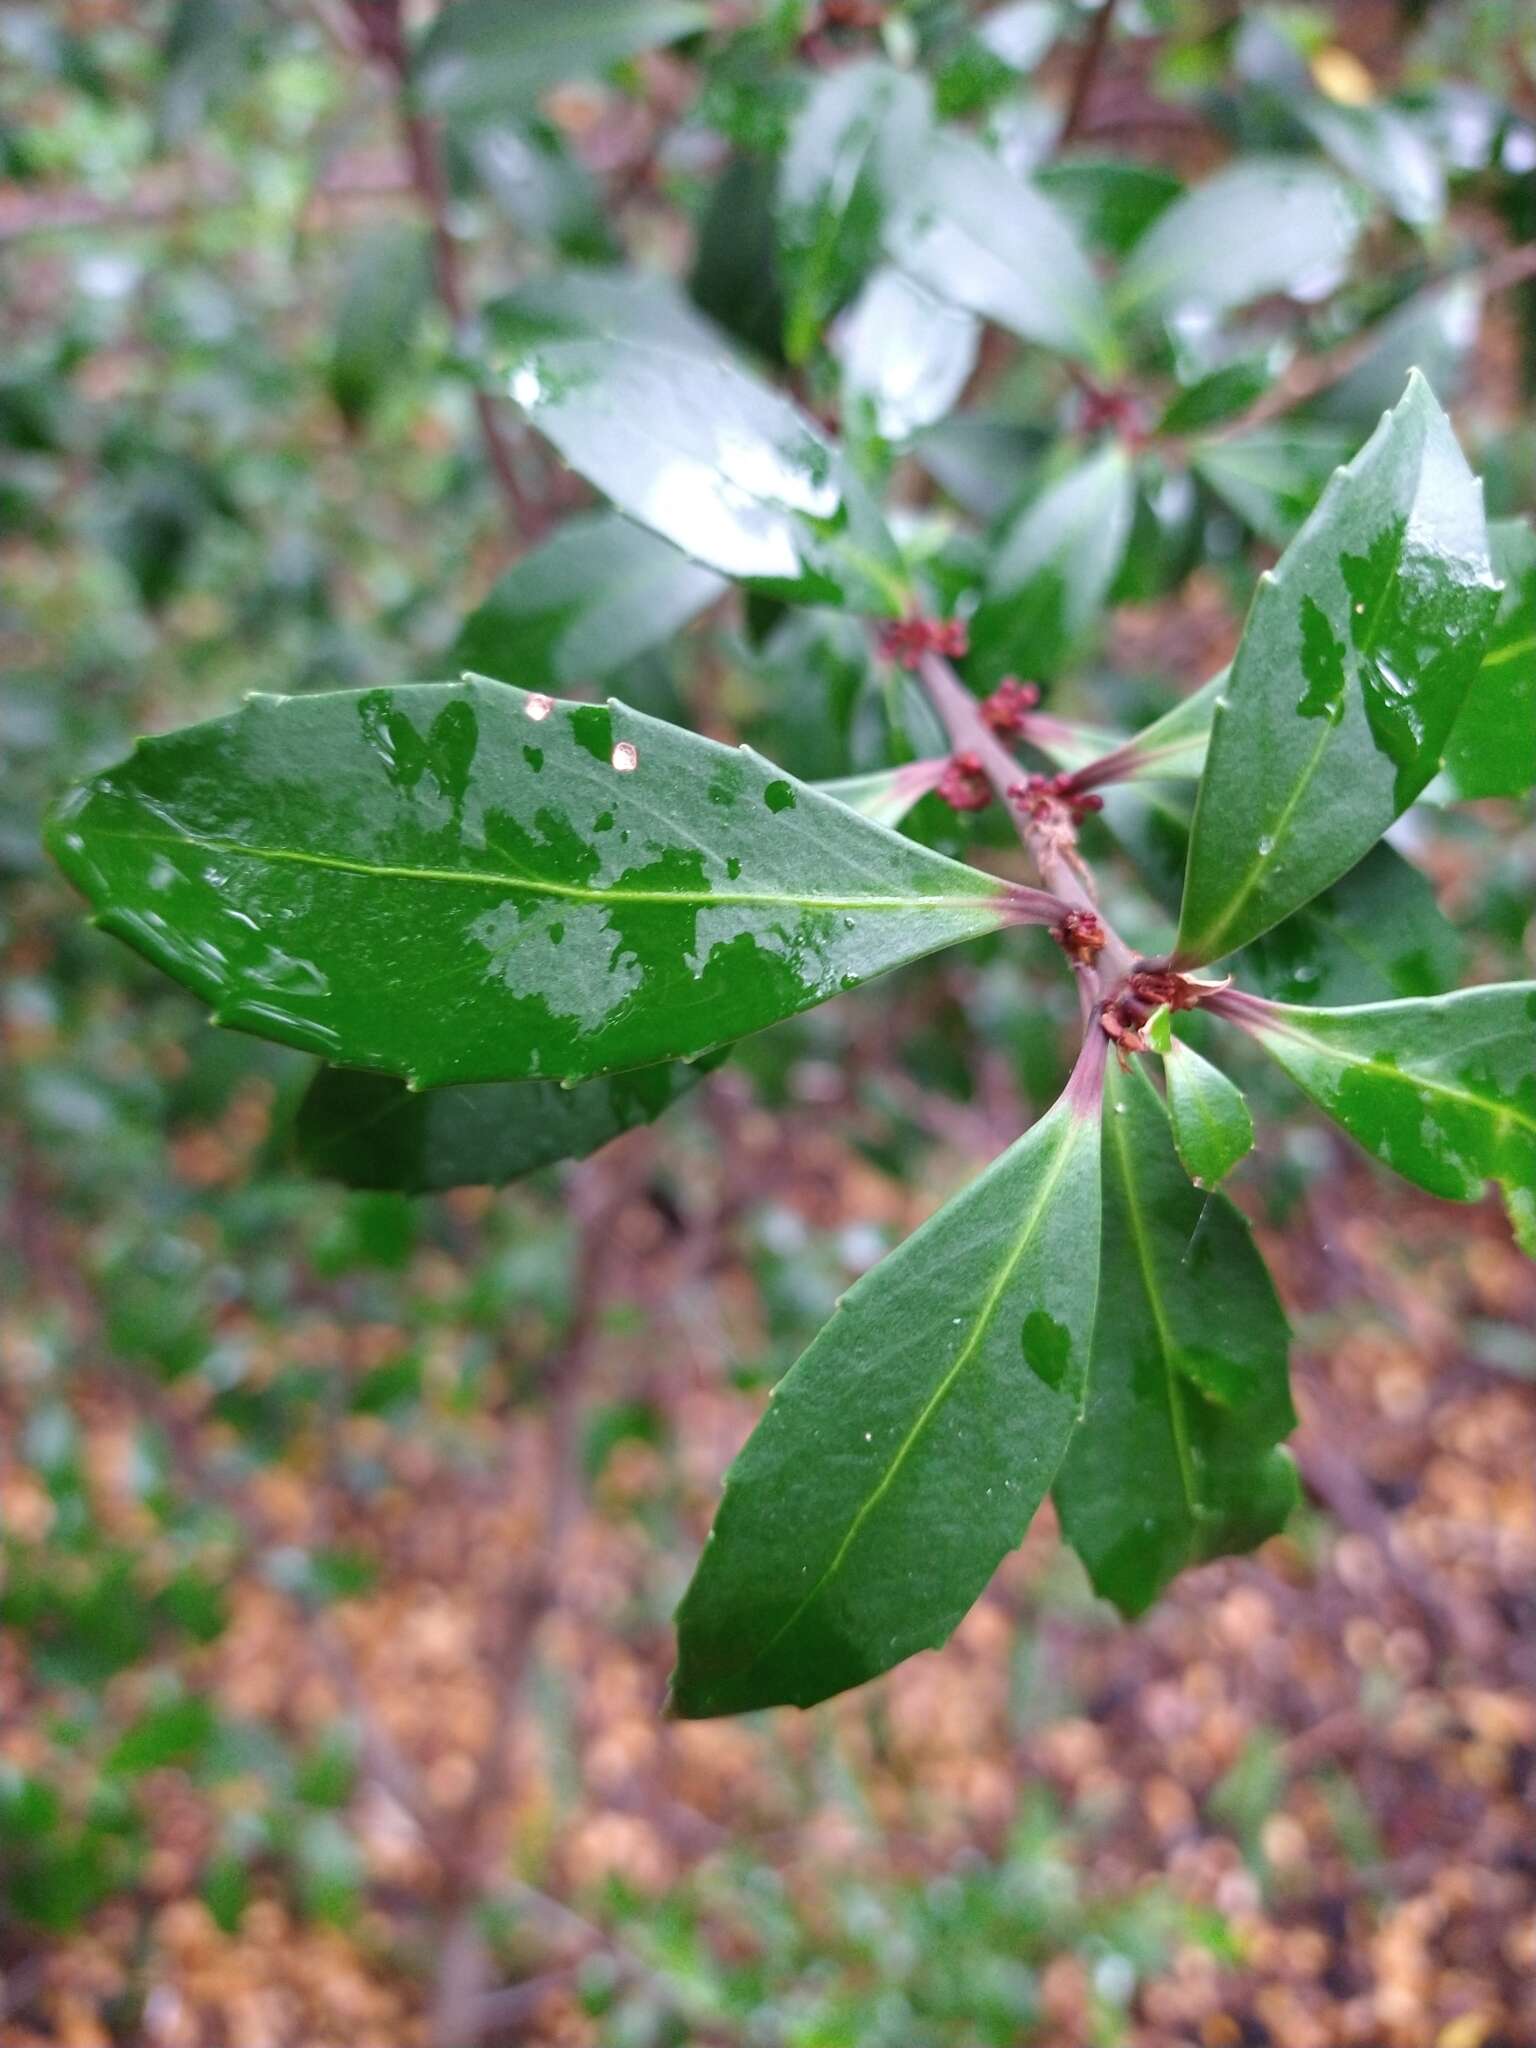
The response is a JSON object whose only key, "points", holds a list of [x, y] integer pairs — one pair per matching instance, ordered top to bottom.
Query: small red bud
{"points": [[906, 641], [1005, 709], [963, 785]]}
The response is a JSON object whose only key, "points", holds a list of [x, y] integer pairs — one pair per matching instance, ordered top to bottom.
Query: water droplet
{"points": [[1359, 610], [538, 707], [625, 759], [1266, 847], [1119, 1109], [869, 1436]]}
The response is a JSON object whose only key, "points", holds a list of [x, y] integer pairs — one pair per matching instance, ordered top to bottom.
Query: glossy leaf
{"points": [[497, 56], [851, 144], [1386, 151], [1260, 226], [981, 238], [906, 356], [700, 452], [1272, 477], [1052, 571], [597, 594], [1353, 666], [1493, 743], [460, 882], [1376, 934], [1441, 1089], [1210, 1119], [372, 1131], [906, 1452], [1175, 1460]]}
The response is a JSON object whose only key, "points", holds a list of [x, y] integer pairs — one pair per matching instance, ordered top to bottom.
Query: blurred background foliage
{"points": [[339, 1533]]}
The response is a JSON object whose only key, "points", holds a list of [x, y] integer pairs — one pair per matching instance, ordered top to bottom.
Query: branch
{"points": [[383, 36], [1092, 55], [1309, 375], [1060, 870]]}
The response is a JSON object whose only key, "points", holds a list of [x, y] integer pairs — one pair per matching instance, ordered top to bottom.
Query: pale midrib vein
{"points": [[1366, 645], [1512, 652], [533, 886], [1502, 1111], [1165, 1343], [935, 1399]]}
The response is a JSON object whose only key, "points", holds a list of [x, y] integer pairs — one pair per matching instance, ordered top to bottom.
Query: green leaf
{"points": [[498, 56], [851, 144], [1386, 151], [1111, 201], [1260, 226], [979, 237], [381, 309], [1433, 332], [906, 356], [1230, 388], [696, 449], [1272, 477], [1052, 571], [597, 594], [1354, 663], [1493, 743], [888, 793], [461, 882], [1377, 933], [1441, 1089], [1211, 1122], [372, 1131], [906, 1452], [1174, 1462], [173, 1732]]}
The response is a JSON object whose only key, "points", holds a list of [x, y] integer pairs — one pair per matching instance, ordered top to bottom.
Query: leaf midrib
{"points": [[534, 886], [1500, 1111], [1165, 1343], [935, 1400]]}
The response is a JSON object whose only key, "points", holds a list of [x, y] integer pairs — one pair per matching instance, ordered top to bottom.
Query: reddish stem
{"points": [[969, 733]]}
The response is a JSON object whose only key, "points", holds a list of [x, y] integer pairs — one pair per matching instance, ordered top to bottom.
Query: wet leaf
{"points": [[492, 57], [851, 145], [1260, 226], [981, 238], [905, 355], [695, 448], [1052, 571], [595, 595], [1354, 663], [1493, 743], [461, 882], [1377, 933], [1441, 1089], [1211, 1122], [372, 1131], [906, 1452], [1175, 1460]]}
